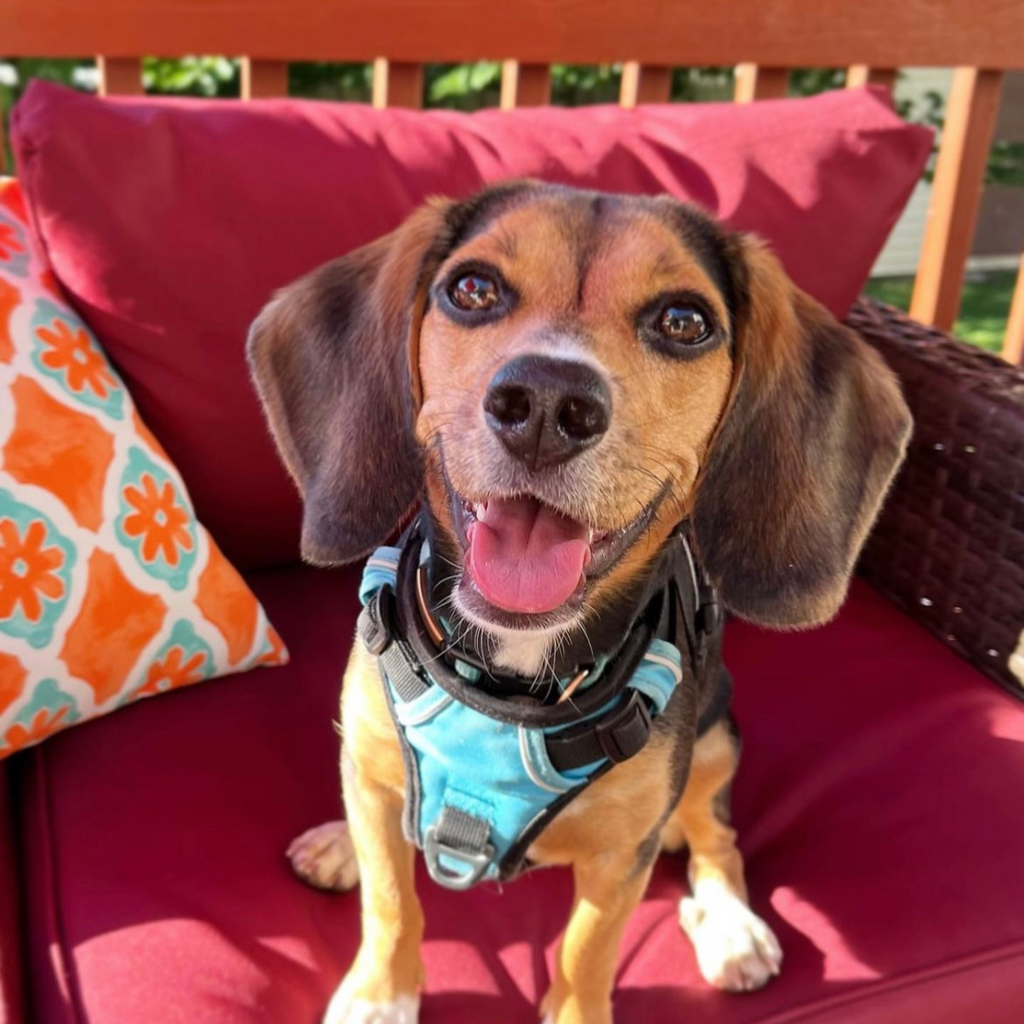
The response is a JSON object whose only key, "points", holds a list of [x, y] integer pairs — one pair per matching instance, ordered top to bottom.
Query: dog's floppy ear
{"points": [[330, 355], [814, 432]]}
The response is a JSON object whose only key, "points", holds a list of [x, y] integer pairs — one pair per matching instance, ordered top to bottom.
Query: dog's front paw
{"points": [[323, 857], [735, 949], [346, 1008]]}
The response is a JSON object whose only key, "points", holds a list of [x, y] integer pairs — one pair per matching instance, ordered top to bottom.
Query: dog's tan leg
{"points": [[608, 888], [735, 949], [382, 986]]}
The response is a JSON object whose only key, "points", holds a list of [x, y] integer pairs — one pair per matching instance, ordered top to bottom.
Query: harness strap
{"points": [[701, 615], [377, 632], [619, 734]]}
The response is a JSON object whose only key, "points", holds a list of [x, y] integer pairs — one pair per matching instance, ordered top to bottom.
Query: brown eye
{"points": [[474, 292], [684, 324]]}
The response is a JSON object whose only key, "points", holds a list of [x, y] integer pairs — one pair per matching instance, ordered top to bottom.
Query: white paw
{"points": [[324, 857], [735, 949], [344, 1009]]}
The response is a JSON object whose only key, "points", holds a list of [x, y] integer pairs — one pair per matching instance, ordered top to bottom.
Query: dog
{"points": [[601, 404]]}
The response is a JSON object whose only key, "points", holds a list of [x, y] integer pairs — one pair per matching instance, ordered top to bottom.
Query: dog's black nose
{"points": [[547, 410]]}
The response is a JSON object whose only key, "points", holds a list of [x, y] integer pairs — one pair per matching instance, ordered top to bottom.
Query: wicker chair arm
{"points": [[948, 548]]}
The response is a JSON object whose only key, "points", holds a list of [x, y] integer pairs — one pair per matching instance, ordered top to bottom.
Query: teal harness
{"points": [[485, 774]]}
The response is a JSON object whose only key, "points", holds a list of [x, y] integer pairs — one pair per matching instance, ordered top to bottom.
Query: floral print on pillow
{"points": [[110, 588]]}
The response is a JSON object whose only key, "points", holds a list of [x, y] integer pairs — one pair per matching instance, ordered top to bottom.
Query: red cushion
{"points": [[171, 222], [878, 806], [12, 1010]]}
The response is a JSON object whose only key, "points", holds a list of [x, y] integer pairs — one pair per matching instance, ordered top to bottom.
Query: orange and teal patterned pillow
{"points": [[110, 589]]}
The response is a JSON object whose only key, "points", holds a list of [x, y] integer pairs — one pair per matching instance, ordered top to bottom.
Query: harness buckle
{"points": [[709, 616], [707, 623], [374, 624], [623, 733], [476, 861]]}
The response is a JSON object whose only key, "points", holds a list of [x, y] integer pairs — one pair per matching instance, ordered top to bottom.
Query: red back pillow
{"points": [[170, 222]]}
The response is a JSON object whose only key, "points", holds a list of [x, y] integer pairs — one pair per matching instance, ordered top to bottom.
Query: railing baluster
{"points": [[858, 75], [120, 76], [264, 79], [754, 82], [647, 83], [397, 85], [525, 85], [956, 195], [1013, 343]]}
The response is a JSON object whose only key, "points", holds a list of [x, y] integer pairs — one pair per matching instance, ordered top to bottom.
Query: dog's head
{"points": [[567, 376]]}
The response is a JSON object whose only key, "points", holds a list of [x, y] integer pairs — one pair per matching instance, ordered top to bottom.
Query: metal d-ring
{"points": [[476, 863]]}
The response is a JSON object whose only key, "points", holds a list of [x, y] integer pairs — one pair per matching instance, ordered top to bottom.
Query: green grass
{"points": [[983, 311]]}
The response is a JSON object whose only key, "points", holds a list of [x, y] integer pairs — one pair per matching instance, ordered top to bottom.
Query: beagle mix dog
{"points": [[567, 383]]}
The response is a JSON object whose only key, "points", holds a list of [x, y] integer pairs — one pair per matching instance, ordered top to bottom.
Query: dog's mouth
{"points": [[526, 557]]}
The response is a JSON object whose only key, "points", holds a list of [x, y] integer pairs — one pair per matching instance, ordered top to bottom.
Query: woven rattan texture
{"points": [[949, 545]]}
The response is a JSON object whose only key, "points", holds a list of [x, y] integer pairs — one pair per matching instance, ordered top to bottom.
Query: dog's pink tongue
{"points": [[525, 557]]}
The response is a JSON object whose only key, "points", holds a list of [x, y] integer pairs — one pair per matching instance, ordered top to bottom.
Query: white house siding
{"points": [[901, 252]]}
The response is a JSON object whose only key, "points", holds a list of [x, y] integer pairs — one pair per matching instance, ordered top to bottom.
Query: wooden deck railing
{"points": [[981, 39]]}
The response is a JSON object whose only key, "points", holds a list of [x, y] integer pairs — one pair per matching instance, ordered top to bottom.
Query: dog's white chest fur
{"points": [[523, 652]]}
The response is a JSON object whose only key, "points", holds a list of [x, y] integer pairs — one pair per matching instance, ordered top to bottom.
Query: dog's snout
{"points": [[547, 410]]}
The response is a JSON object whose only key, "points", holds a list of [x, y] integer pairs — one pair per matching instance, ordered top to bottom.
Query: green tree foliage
{"points": [[191, 76]]}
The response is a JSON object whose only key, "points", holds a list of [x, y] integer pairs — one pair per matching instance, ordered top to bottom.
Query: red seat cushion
{"points": [[170, 223], [878, 806], [11, 972]]}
